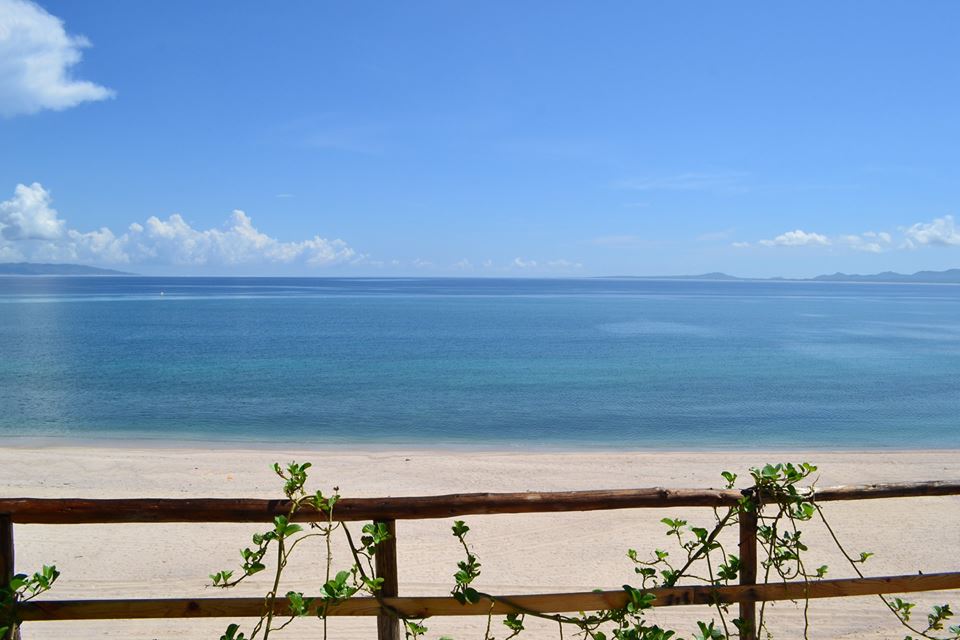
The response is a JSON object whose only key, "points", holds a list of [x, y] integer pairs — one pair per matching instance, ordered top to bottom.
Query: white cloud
{"points": [[36, 55], [29, 216], [30, 229], [940, 232], [882, 236], [797, 238], [174, 241], [870, 241], [520, 263], [463, 264], [564, 264], [544, 266]]}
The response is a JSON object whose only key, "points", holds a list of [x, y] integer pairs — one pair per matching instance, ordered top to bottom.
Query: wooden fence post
{"points": [[7, 562], [748, 573], [388, 626]]}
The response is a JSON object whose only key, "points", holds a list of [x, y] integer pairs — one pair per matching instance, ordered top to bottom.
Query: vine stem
{"points": [[329, 535], [704, 548], [783, 550], [770, 554], [853, 564], [376, 594], [272, 597]]}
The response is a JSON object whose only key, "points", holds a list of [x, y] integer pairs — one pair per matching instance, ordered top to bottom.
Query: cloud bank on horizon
{"points": [[36, 54], [32, 230], [940, 232]]}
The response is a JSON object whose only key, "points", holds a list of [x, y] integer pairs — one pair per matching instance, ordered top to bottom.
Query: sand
{"points": [[520, 553]]}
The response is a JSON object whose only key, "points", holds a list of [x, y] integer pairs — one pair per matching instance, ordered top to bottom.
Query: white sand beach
{"points": [[520, 553]]}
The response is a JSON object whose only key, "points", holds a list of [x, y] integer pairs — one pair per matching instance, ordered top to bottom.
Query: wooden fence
{"points": [[390, 510]]}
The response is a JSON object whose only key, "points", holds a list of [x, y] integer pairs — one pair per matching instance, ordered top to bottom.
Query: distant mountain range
{"points": [[40, 269], [950, 276]]}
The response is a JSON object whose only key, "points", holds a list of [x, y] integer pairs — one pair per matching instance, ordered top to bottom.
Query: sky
{"points": [[535, 139]]}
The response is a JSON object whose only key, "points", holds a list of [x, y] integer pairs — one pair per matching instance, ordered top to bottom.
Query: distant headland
{"points": [[49, 269], [950, 276]]}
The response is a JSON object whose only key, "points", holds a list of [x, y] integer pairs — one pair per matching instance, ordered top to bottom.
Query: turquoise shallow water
{"points": [[515, 363]]}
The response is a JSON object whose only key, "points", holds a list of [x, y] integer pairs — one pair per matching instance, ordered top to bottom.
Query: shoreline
{"points": [[23, 442]]}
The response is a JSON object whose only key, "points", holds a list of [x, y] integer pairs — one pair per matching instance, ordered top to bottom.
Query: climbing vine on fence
{"points": [[776, 498], [22, 588]]}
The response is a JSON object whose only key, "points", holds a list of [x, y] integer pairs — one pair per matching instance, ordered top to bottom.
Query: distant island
{"points": [[47, 269], [950, 276]]}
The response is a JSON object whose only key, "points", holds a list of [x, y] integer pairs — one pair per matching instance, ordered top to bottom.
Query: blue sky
{"points": [[481, 138]]}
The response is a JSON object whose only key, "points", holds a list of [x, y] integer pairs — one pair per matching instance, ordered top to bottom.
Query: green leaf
{"points": [[731, 478], [221, 578], [298, 604], [514, 622], [233, 633]]}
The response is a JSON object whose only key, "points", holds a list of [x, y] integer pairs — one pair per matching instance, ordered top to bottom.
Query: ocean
{"points": [[498, 363]]}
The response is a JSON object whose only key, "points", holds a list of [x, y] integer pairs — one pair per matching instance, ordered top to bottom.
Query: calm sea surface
{"points": [[514, 363]]}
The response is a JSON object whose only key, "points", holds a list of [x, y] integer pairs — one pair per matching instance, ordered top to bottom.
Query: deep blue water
{"points": [[542, 363]]}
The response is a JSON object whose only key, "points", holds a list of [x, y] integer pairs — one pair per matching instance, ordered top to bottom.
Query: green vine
{"points": [[776, 499], [20, 589]]}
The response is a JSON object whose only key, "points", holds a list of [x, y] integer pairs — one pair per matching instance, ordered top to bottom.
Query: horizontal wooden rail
{"points": [[95, 511], [444, 606]]}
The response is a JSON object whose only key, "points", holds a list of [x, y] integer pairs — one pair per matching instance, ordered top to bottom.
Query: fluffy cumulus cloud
{"points": [[36, 55], [29, 216], [31, 229], [940, 232], [797, 238], [174, 241]]}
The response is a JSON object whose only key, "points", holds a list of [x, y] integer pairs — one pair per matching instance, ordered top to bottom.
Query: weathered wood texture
{"points": [[76, 511], [88, 511], [6, 548], [7, 563], [748, 573], [443, 606], [388, 626]]}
